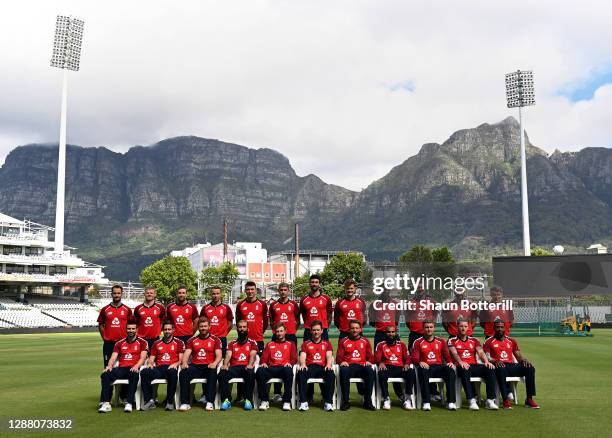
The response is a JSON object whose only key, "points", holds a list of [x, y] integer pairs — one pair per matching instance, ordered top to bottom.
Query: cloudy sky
{"points": [[345, 89]]}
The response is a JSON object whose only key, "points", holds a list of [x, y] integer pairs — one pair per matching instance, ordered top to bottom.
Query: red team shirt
{"points": [[316, 308], [347, 310], [288, 313], [182, 315], [256, 315], [450, 317], [220, 318], [383, 318], [415, 318], [488, 318], [149, 319], [115, 321], [203, 349], [465, 349], [501, 350], [357, 351], [129, 352], [241, 352], [316, 352], [432, 352], [167, 353], [278, 354], [395, 355]]}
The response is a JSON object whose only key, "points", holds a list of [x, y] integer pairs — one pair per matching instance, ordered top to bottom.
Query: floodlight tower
{"points": [[66, 55], [520, 93]]}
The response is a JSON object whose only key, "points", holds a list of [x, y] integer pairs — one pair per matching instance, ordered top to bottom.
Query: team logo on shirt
{"points": [[314, 311], [351, 313], [421, 315], [251, 316], [284, 317], [180, 319], [214, 320], [115, 321], [149, 321], [202, 353], [356, 354], [466, 354], [278, 355], [431, 355], [503, 355], [127, 356], [242, 356], [316, 356], [166, 357], [393, 358]]}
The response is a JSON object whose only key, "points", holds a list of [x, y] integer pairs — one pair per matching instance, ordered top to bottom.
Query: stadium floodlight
{"points": [[66, 55], [520, 93]]}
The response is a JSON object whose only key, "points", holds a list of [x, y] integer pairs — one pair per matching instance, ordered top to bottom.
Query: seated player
{"points": [[464, 349], [501, 349], [132, 353], [205, 353], [430, 354], [355, 358], [164, 360], [393, 360], [277, 361], [239, 362], [316, 362]]}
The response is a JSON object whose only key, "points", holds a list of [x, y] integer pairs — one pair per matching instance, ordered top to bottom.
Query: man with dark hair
{"points": [[316, 306], [348, 308], [255, 312], [421, 312], [457, 312], [183, 314], [149, 316], [220, 316], [489, 317], [112, 322], [501, 350], [132, 353], [165, 357], [355, 358]]}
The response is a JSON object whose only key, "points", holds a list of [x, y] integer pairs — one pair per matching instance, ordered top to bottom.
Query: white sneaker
{"points": [[510, 397], [277, 398], [436, 398], [202, 400], [387, 404], [408, 404], [490, 404], [149, 405], [473, 405], [210, 406], [264, 406], [287, 406], [303, 406], [105, 407], [128, 407], [169, 407], [184, 407], [328, 407], [426, 407], [452, 407]]}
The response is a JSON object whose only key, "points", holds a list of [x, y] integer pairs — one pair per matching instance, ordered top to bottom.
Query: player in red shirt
{"points": [[316, 306], [348, 308], [255, 312], [183, 314], [149, 316], [220, 316], [384, 316], [416, 317], [450, 317], [488, 317], [112, 322], [465, 350], [501, 350], [132, 353], [205, 353], [430, 354], [165, 357], [355, 358], [393, 360], [277, 361], [239, 362], [316, 362]]}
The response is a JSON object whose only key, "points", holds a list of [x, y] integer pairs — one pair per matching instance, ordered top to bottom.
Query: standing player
{"points": [[316, 306], [348, 309], [255, 312], [183, 314], [419, 314], [149, 316], [220, 316], [385, 316], [451, 316], [489, 317], [112, 322], [464, 348], [501, 350], [132, 353], [205, 353], [431, 355], [165, 357], [355, 358], [393, 360], [277, 361], [239, 362], [316, 362]]}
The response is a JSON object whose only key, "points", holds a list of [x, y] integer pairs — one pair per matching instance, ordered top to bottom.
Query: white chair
{"points": [[235, 380], [313, 380], [353, 380], [392, 380], [439, 381], [477, 381], [514, 381], [194, 382], [154, 383], [117, 389], [256, 400]]}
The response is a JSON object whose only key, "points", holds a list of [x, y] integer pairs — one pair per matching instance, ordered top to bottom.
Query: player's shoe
{"points": [[510, 396], [276, 398], [436, 398], [202, 400], [530, 403], [387, 404], [408, 404], [490, 404], [507, 404], [149, 405], [226, 405], [473, 405], [210, 406], [248, 406], [264, 406], [286, 406], [303, 406], [345, 406], [369, 406], [105, 407], [169, 407], [184, 407], [328, 407], [426, 407], [451, 407], [127, 408]]}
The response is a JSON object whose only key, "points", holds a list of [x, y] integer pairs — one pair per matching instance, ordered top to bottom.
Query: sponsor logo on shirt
{"points": [[314, 311], [351, 313], [251, 316], [284, 317], [180, 319], [214, 320], [115, 321], [148, 321], [202, 353], [356, 354], [465, 354], [278, 355], [431, 355], [503, 355], [127, 356], [242, 356], [317, 356], [166, 357], [393, 358]]}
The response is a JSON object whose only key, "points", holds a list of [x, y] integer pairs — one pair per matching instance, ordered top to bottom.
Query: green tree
{"points": [[539, 251], [417, 254], [342, 267], [167, 274], [224, 276], [301, 285]]}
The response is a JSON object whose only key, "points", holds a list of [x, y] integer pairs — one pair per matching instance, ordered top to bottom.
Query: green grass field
{"points": [[57, 376]]}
